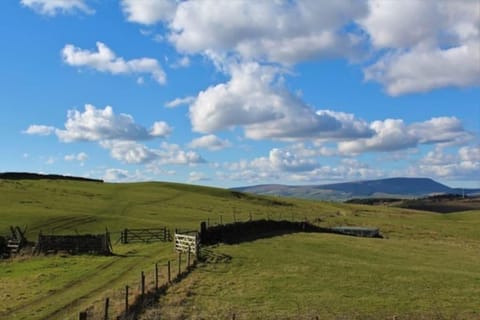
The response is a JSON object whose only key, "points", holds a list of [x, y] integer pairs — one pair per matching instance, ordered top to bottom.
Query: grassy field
{"points": [[427, 265], [334, 277]]}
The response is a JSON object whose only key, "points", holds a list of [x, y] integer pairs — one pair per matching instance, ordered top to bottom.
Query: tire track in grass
{"points": [[79, 289], [30, 304]]}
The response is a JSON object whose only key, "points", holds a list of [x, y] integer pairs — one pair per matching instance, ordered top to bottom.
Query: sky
{"points": [[236, 92]]}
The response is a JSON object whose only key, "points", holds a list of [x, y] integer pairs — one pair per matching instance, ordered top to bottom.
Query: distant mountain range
{"points": [[392, 187]]}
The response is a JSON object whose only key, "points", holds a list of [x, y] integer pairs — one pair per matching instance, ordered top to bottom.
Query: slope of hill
{"points": [[392, 187], [292, 276]]}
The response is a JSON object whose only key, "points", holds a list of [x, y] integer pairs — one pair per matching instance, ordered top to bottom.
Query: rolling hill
{"points": [[391, 187], [426, 267]]}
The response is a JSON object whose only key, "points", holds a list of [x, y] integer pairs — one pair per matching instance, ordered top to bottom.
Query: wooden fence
{"points": [[145, 235], [89, 243], [129, 302]]}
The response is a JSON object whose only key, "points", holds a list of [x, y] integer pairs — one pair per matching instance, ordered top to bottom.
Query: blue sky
{"points": [[230, 93]]}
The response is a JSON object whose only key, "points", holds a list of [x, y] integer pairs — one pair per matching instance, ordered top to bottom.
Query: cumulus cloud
{"points": [[54, 7], [149, 11], [286, 32], [439, 50], [105, 60], [424, 69], [255, 99], [102, 124], [160, 129], [40, 130], [443, 130], [119, 134], [394, 134], [391, 135], [210, 142], [129, 151], [132, 152], [173, 154], [463, 163], [287, 165], [114, 175]]}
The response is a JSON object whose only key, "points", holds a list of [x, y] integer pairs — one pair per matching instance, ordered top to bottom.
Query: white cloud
{"points": [[54, 7], [149, 11], [279, 31], [439, 50], [105, 60], [424, 69], [256, 99], [180, 102], [103, 124], [160, 129], [40, 130], [444, 130], [391, 134], [394, 134], [120, 135], [210, 142], [129, 151], [132, 152], [173, 154], [470, 154], [81, 157], [287, 161], [461, 164], [285, 165], [114, 175]]}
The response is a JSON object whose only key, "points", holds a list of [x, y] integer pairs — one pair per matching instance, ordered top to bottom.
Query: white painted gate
{"points": [[185, 242]]}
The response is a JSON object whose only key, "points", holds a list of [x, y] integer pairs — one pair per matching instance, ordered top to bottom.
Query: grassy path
{"points": [[55, 287]]}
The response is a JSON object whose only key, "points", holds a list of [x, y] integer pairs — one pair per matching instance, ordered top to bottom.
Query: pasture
{"points": [[426, 266]]}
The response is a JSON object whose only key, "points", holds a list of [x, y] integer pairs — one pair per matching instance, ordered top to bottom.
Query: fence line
{"points": [[128, 303]]}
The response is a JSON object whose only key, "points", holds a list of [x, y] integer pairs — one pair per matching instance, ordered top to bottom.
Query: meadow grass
{"points": [[425, 267], [302, 276]]}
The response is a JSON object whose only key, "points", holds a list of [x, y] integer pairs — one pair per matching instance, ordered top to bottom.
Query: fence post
{"points": [[164, 234], [125, 235], [188, 258], [179, 263], [169, 274], [156, 276], [143, 285], [126, 299], [107, 303], [82, 315]]}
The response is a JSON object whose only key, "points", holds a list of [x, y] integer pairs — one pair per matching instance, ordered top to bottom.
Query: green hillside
{"points": [[426, 266]]}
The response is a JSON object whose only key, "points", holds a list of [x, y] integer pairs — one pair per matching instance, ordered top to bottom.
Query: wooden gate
{"points": [[145, 235], [186, 243]]}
